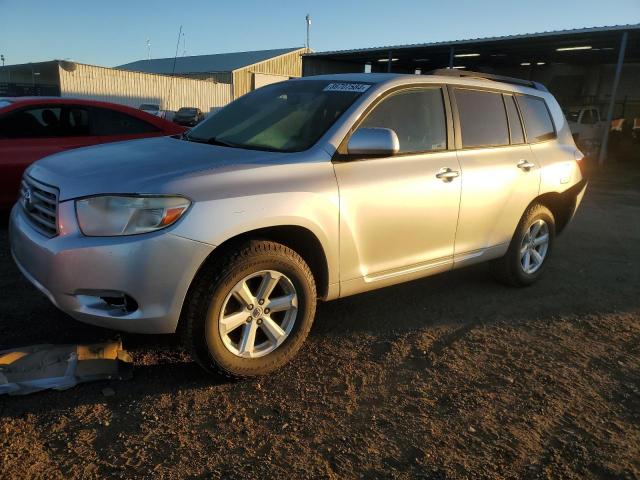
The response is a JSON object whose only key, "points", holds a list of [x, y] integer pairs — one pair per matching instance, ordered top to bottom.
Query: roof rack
{"points": [[454, 72]]}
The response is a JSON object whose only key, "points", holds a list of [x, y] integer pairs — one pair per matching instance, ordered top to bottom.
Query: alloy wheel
{"points": [[534, 246], [258, 314]]}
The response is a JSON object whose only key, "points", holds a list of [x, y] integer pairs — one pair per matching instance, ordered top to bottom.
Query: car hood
{"points": [[144, 166]]}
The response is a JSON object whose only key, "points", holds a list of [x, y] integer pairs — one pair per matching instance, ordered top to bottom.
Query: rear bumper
{"points": [[186, 123], [75, 271]]}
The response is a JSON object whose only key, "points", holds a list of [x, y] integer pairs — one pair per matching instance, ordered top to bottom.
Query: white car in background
{"points": [[151, 108], [154, 109], [586, 126]]}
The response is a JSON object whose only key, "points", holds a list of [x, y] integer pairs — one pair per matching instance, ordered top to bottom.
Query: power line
{"points": [[173, 70]]}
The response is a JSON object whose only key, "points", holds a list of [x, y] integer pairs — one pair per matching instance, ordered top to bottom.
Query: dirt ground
{"points": [[454, 376]]}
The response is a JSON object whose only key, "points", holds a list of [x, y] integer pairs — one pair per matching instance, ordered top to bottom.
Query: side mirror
{"points": [[373, 141]]}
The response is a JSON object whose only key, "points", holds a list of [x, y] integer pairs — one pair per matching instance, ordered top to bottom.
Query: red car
{"points": [[34, 127]]}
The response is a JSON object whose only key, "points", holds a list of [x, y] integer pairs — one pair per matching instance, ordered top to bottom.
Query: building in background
{"points": [[244, 71], [70, 79], [207, 82]]}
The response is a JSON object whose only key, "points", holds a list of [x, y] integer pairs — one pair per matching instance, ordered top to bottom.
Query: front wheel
{"points": [[529, 249], [250, 311]]}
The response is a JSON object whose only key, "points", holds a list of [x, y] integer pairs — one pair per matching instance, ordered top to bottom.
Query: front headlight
{"points": [[112, 215]]}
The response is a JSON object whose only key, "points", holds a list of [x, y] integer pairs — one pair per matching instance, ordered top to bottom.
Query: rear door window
{"points": [[416, 115], [537, 119], [483, 121], [112, 122], [515, 124]]}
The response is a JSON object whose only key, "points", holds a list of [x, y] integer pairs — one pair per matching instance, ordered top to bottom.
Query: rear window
{"points": [[572, 115], [589, 117], [537, 119], [483, 120]]}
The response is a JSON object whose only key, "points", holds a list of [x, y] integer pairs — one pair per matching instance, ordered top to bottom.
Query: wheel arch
{"points": [[561, 204], [300, 239]]}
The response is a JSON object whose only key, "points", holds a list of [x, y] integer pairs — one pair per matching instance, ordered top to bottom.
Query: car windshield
{"points": [[148, 106], [189, 111], [285, 117]]}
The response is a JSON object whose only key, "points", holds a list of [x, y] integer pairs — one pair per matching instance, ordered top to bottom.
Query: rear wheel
{"points": [[529, 249], [251, 310]]}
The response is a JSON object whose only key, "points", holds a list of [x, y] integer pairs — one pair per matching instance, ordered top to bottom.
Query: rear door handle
{"points": [[525, 165], [446, 174]]}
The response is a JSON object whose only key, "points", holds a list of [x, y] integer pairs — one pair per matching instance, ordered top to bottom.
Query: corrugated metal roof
{"points": [[551, 33], [221, 62]]}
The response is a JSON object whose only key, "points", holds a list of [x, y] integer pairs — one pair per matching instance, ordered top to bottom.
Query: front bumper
{"points": [[75, 271]]}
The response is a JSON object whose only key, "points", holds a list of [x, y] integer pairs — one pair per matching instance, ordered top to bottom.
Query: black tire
{"points": [[508, 269], [212, 285]]}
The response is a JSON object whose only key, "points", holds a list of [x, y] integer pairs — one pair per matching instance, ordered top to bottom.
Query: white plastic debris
{"points": [[59, 367]]}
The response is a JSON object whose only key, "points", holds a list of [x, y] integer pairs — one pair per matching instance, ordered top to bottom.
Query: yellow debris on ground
{"points": [[40, 367]]}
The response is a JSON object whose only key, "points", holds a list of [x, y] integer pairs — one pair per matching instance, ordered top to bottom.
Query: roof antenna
{"points": [[308, 19], [184, 44], [148, 49], [173, 70]]}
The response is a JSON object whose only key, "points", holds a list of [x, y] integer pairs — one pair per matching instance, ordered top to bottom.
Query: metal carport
{"points": [[576, 65]]}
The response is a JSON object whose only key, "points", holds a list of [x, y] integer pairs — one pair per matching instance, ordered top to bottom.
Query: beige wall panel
{"points": [[287, 65], [134, 88]]}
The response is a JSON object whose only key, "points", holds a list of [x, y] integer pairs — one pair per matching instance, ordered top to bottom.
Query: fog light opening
{"points": [[122, 302]]}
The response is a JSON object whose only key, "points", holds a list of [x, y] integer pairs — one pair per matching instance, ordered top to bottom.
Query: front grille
{"points": [[40, 203]]}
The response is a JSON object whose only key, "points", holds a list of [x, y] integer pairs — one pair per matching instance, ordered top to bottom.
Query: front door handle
{"points": [[525, 165], [446, 174]]}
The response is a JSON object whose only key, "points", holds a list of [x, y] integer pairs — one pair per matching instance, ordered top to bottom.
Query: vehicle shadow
{"points": [[457, 298]]}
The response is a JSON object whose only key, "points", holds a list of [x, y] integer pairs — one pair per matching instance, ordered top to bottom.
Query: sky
{"points": [[113, 32]]}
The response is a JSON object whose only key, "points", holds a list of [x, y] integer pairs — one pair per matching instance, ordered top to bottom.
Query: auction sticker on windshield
{"points": [[347, 87]]}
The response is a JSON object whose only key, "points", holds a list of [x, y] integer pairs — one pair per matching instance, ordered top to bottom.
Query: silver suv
{"points": [[314, 188]]}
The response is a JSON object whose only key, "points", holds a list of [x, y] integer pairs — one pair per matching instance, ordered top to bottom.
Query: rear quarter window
{"points": [[537, 119]]}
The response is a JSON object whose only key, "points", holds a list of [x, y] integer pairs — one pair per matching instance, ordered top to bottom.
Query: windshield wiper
{"points": [[211, 141], [222, 143]]}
